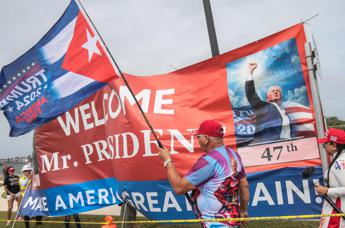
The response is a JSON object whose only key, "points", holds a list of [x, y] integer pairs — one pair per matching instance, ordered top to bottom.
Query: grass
{"points": [[100, 218]]}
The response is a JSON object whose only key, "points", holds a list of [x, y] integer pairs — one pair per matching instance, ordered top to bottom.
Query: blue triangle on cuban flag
{"points": [[66, 66]]}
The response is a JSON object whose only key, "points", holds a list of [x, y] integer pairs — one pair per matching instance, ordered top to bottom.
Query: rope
{"points": [[289, 217]]}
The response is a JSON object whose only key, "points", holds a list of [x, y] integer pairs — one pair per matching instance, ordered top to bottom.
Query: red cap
{"points": [[210, 128], [333, 135], [11, 170]]}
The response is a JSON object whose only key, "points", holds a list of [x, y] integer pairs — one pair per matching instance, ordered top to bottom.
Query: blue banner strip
{"points": [[272, 193]]}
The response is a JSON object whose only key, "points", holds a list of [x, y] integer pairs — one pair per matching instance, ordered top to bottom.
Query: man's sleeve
{"points": [[252, 97], [201, 172]]}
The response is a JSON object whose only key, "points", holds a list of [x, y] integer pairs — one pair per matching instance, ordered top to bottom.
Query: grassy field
{"points": [[99, 218]]}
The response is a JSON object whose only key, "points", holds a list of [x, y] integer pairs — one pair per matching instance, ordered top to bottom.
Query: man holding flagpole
{"points": [[218, 179]]}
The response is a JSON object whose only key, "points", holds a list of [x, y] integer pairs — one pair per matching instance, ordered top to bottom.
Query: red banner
{"points": [[107, 137]]}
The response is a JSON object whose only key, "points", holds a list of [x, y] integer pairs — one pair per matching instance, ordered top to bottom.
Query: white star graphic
{"points": [[91, 45], [9, 109]]}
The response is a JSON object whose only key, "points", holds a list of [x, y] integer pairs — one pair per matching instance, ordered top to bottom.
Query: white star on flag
{"points": [[91, 45], [9, 109]]}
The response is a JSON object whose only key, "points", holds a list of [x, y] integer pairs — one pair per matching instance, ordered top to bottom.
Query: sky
{"points": [[148, 37]]}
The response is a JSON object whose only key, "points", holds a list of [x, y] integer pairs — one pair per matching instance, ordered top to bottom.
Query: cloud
{"points": [[295, 59], [298, 95]]}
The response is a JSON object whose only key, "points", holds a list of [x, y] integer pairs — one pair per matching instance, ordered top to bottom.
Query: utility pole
{"points": [[211, 29]]}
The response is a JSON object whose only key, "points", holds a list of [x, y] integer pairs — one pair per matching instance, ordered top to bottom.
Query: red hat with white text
{"points": [[333, 135]]}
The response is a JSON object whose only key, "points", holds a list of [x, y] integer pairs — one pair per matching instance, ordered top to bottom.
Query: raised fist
{"points": [[252, 67]]}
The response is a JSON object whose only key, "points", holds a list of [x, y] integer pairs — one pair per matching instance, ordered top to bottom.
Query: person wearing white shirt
{"points": [[334, 177]]}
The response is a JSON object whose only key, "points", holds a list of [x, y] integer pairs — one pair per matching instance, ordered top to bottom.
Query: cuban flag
{"points": [[66, 66]]}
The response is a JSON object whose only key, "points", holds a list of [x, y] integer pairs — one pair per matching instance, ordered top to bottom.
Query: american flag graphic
{"points": [[300, 116], [301, 119]]}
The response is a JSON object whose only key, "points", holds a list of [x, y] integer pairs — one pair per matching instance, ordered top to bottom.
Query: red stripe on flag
{"points": [[297, 109], [302, 121], [305, 134]]}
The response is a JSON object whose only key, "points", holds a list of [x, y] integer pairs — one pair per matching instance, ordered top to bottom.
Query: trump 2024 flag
{"points": [[67, 65]]}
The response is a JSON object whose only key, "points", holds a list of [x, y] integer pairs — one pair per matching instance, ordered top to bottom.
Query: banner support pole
{"points": [[320, 124]]}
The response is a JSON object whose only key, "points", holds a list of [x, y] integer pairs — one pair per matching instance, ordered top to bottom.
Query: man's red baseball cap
{"points": [[210, 128], [333, 135], [10, 170]]}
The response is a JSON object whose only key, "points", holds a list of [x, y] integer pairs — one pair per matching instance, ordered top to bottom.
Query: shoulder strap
{"points": [[329, 168]]}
